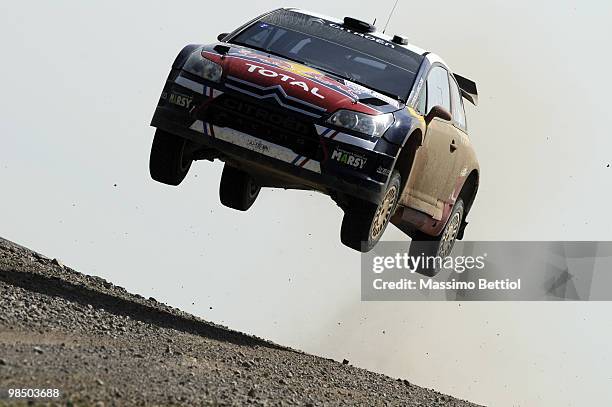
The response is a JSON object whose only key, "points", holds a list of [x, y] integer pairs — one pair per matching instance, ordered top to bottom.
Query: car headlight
{"points": [[205, 68], [361, 122]]}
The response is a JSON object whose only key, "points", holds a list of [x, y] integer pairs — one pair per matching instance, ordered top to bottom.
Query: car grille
{"points": [[266, 122]]}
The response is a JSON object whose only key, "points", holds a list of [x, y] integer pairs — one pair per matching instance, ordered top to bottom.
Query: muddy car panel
{"points": [[442, 164]]}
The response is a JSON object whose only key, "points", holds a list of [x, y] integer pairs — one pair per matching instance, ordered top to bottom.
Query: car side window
{"points": [[438, 92], [457, 112]]}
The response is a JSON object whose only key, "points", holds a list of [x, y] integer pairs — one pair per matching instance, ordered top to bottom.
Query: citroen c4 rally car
{"points": [[298, 100]]}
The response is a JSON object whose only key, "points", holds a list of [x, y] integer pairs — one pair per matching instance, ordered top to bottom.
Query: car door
{"points": [[464, 153], [431, 180]]}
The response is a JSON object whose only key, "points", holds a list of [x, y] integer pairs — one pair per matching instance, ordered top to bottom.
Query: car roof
{"points": [[376, 33], [470, 92]]}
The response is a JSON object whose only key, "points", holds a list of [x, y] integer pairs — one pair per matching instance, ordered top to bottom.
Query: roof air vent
{"points": [[358, 25], [401, 40]]}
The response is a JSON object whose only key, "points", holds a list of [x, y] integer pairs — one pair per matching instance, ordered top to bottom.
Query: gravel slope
{"points": [[100, 345]]}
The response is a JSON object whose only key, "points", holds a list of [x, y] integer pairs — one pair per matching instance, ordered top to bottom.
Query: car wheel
{"points": [[170, 159], [238, 190], [364, 222], [437, 246]]}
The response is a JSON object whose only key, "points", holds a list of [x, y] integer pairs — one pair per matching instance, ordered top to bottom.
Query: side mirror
{"points": [[221, 36], [438, 111]]}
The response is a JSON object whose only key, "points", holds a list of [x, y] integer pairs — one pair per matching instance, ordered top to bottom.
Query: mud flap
{"points": [[461, 230]]}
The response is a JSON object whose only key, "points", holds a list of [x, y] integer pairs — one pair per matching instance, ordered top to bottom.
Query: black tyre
{"points": [[170, 159], [238, 190], [364, 222], [437, 246]]}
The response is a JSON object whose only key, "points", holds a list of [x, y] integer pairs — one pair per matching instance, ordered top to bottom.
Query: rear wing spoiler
{"points": [[468, 89]]}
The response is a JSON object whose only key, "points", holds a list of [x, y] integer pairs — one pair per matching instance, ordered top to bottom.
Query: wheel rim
{"points": [[384, 212], [450, 235]]}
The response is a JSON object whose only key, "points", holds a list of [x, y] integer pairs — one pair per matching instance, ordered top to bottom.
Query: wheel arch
{"points": [[182, 56], [405, 159], [469, 190], [468, 195]]}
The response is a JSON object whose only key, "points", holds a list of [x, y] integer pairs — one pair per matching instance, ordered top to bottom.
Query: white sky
{"points": [[80, 81]]}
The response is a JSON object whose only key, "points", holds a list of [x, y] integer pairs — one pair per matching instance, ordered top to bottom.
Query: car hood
{"points": [[264, 76]]}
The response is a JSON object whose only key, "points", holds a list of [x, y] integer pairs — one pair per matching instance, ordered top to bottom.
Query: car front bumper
{"points": [[345, 164]]}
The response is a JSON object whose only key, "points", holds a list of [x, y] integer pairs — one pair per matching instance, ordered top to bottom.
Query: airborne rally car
{"points": [[298, 100]]}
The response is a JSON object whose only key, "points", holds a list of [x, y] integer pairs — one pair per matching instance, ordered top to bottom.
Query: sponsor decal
{"points": [[290, 66], [284, 78], [180, 100], [256, 145], [264, 147], [347, 158], [383, 171]]}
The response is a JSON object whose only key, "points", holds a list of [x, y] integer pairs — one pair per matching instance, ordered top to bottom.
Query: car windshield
{"points": [[359, 57]]}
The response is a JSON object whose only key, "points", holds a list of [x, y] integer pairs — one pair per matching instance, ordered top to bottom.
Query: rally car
{"points": [[299, 100]]}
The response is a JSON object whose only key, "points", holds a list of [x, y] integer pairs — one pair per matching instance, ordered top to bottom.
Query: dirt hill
{"points": [[100, 345]]}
